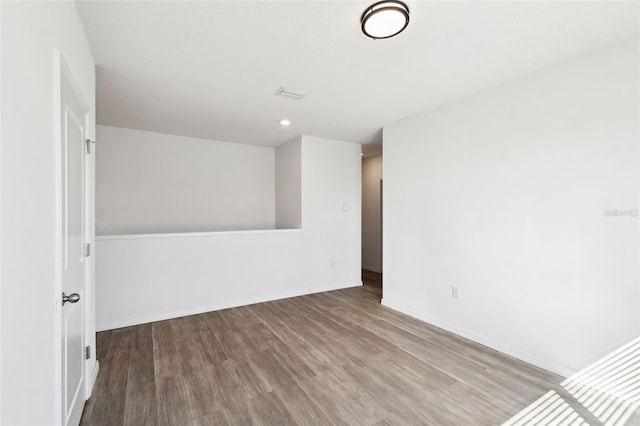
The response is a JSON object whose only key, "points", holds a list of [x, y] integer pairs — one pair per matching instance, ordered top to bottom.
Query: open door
{"points": [[73, 242]]}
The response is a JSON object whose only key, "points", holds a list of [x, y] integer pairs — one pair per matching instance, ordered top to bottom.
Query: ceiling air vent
{"points": [[290, 93]]}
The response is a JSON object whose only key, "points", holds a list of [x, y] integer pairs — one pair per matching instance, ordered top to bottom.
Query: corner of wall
{"points": [[288, 185]]}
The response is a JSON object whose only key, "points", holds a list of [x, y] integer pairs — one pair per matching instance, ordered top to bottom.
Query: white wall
{"points": [[30, 32], [154, 183], [289, 184], [503, 194], [331, 212], [371, 214], [165, 276]]}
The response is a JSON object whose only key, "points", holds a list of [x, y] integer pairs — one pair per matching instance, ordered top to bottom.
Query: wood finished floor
{"points": [[330, 358]]}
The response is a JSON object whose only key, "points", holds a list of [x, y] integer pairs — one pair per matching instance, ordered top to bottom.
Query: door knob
{"points": [[72, 298]]}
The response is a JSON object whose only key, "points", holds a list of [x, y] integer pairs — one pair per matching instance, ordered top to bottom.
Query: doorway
{"points": [[372, 193]]}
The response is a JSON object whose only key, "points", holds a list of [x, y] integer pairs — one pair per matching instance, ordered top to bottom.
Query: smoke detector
{"points": [[290, 93]]}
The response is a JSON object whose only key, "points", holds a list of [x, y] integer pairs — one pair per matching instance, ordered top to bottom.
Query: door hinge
{"points": [[89, 142], [87, 250], [87, 352]]}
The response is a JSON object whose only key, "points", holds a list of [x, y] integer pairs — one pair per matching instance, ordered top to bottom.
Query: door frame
{"points": [[62, 73], [381, 227]]}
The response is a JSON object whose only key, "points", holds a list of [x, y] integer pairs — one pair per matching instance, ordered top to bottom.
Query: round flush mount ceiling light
{"points": [[385, 19], [285, 122]]}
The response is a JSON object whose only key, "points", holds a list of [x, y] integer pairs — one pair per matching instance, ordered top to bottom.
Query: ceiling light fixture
{"points": [[385, 19], [285, 122]]}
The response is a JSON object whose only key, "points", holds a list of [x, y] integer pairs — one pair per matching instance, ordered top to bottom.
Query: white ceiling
{"points": [[209, 69]]}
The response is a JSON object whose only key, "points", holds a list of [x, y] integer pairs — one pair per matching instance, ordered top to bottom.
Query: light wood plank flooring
{"points": [[330, 358]]}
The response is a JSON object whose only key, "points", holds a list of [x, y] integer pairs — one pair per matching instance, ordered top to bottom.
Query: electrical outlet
{"points": [[455, 293]]}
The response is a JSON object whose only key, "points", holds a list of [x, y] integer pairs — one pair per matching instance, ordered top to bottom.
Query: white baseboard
{"points": [[372, 269], [161, 316], [516, 353], [94, 374], [94, 377]]}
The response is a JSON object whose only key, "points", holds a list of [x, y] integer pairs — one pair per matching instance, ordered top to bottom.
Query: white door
{"points": [[73, 247]]}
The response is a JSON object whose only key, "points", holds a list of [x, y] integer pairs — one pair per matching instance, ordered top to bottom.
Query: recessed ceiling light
{"points": [[385, 19], [284, 122]]}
